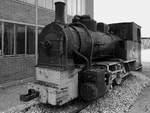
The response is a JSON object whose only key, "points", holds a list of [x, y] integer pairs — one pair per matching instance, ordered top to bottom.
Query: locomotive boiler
{"points": [[82, 59]]}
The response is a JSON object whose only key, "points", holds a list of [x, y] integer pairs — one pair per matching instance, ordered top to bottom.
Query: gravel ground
{"points": [[119, 100]]}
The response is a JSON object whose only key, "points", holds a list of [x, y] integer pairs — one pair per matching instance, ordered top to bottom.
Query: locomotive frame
{"points": [[83, 59]]}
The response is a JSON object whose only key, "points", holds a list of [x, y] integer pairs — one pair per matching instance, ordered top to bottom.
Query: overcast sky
{"points": [[113, 11]]}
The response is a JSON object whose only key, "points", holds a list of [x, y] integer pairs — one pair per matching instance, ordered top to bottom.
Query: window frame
{"points": [[14, 24], [34, 29], [1, 38], [4, 40], [15, 41]]}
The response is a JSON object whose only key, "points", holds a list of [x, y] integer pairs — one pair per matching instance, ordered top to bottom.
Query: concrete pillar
{"points": [[89, 7]]}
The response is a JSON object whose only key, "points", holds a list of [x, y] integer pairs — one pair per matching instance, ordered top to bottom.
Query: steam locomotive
{"points": [[83, 59]]}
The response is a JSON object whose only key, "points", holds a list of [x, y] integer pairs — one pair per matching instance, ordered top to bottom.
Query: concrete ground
{"points": [[10, 91], [9, 96], [142, 104]]}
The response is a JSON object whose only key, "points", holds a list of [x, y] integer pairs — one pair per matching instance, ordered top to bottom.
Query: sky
{"points": [[114, 11]]}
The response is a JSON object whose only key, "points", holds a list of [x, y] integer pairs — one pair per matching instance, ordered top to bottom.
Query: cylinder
{"points": [[60, 12]]}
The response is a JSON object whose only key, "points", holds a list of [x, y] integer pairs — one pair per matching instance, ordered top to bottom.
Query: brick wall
{"points": [[16, 11], [24, 12], [20, 67], [16, 68]]}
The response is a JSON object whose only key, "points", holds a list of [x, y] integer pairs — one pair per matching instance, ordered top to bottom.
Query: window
{"points": [[0, 38], [8, 39], [17, 39], [20, 39], [30, 40]]}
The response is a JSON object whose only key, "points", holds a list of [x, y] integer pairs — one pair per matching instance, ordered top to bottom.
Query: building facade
{"points": [[20, 20], [145, 42]]}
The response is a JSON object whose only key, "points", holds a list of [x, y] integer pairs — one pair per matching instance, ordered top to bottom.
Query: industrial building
{"points": [[20, 23], [145, 43]]}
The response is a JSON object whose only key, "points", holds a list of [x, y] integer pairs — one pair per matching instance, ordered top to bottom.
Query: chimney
{"points": [[60, 12]]}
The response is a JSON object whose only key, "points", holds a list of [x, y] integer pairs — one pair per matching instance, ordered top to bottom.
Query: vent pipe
{"points": [[60, 12]]}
